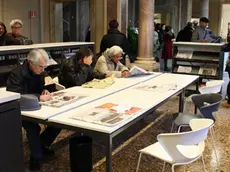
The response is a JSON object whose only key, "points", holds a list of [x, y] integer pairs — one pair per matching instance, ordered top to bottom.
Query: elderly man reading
{"points": [[109, 63], [29, 79]]}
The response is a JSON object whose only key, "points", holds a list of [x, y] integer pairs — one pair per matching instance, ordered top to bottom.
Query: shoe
{"points": [[226, 105], [47, 151], [34, 164]]}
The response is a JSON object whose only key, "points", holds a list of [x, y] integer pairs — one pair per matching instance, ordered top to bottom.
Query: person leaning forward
{"points": [[109, 63], [77, 70], [28, 78]]}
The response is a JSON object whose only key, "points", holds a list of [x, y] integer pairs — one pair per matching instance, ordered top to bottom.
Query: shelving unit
{"points": [[12, 56], [203, 59]]}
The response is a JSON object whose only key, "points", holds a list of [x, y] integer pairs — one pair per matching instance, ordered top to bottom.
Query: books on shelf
{"points": [[184, 54], [184, 69], [208, 70], [62, 98], [108, 114]]}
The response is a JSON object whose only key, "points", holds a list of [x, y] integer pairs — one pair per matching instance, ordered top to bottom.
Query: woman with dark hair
{"points": [[2, 34], [167, 47], [77, 69]]}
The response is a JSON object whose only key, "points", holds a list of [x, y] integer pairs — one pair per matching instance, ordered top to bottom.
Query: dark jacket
{"points": [[185, 35], [3, 37], [114, 37], [11, 39], [73, 74], [23, 80]]}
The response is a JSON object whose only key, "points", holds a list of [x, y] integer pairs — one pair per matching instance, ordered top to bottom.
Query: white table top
{"points": [[199, 44], [44, 45], [92, 95], [6, 96], [139, 98]]}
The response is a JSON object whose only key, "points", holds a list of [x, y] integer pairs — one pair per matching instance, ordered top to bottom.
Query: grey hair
{"points": [[16, 21], [114, 50], [36, 54]]}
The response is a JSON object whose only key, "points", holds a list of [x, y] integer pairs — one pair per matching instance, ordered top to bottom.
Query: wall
{"points": [[12, 9]]}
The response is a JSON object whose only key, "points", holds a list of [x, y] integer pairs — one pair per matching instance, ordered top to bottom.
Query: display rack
{"points": [[12, 56], [203, 59]]}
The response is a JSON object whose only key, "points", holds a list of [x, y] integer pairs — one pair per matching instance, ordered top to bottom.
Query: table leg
{"points": [[197, 92], [181, 101], [109, 150]]}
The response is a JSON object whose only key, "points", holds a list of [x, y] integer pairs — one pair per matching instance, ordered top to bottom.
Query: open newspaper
{"points": [[137, 71], [62, 98], [108, 114]]}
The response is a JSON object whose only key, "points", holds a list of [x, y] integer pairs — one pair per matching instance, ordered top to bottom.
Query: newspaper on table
{"points": [[184, 54], [208, 70], [137, 71], [100, 83], [157, 88], [62, 98], [108, 114]]}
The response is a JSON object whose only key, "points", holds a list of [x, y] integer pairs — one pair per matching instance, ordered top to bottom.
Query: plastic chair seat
{"points": [[184, 119], [191, 152]]}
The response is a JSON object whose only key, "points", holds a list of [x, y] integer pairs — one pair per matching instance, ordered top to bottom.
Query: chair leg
{"points": [[172, 127], [179, 128], [214, 146], [139, 160], [203, 163], [173, 168], [163, 170]]}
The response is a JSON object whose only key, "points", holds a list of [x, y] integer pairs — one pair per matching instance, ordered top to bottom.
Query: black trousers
{"points": [[37, 140]]}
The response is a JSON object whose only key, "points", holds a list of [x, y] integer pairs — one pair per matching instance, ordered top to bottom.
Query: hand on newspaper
{"points": [[125, 74], [44, 97]]}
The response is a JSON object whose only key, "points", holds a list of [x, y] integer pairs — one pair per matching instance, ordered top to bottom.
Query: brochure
{"points": [[184, 54], [183, 69], [208, 70], [60, 99]]}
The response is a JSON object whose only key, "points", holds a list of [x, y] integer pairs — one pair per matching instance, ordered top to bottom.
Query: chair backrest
{"points": [[212, 87], [207, 104], [172, 141]]}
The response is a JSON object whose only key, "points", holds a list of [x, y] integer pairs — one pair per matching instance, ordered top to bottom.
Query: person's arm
{"points": [[102, 46], [77, 76]]}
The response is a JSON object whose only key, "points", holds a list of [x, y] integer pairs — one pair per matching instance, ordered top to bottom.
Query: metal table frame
{"points": [[107, 138]]}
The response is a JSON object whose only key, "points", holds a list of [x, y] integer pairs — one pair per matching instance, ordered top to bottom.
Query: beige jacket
{"points": [[106, 66]]}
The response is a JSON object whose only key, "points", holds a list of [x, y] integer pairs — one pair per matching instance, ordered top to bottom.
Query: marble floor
{"points": [[144, 133]]}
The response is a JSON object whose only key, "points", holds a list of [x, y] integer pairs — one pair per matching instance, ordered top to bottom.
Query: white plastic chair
{"points": [[57, 85], [180, 148]]}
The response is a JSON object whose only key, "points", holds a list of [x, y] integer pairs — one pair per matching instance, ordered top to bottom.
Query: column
{"points": [[204, 8], [145, 40]]}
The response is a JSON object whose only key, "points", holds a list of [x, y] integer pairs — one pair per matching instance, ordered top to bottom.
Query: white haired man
{"points": [[16, 38], [109, 63], [28, 78]]}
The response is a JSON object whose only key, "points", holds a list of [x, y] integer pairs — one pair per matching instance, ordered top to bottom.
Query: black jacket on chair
{"points": [[114, 37], [74, 74], [23, 80]]}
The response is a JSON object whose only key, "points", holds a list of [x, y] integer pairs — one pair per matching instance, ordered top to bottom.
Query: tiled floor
{"points": [[144, 133]]}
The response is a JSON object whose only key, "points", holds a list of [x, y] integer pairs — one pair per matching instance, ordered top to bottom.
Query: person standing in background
{"points": [[3, 32], [15, 37], [156, 43], [167, 47]]}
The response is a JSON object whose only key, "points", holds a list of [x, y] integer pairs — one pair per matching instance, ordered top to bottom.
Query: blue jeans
{"points": [[37, 140]]}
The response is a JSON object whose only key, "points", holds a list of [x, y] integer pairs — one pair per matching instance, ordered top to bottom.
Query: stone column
{"points": [[204, 8], [146, 30]]}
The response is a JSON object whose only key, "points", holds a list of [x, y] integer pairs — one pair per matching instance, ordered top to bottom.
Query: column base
{"points": [[148, 64]]}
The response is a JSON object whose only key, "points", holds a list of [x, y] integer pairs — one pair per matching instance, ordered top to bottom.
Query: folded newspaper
{"points": [[137, 71], [100, 83], [62, 98], [108, 114]]}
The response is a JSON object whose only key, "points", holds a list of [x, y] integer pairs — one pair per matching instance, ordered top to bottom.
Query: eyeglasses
{"points": [[13, 27], [119, 57], [42, 67]]}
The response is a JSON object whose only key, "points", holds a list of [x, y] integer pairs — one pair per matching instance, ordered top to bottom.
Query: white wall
{"points": [[12, 9], [225, 19]]}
